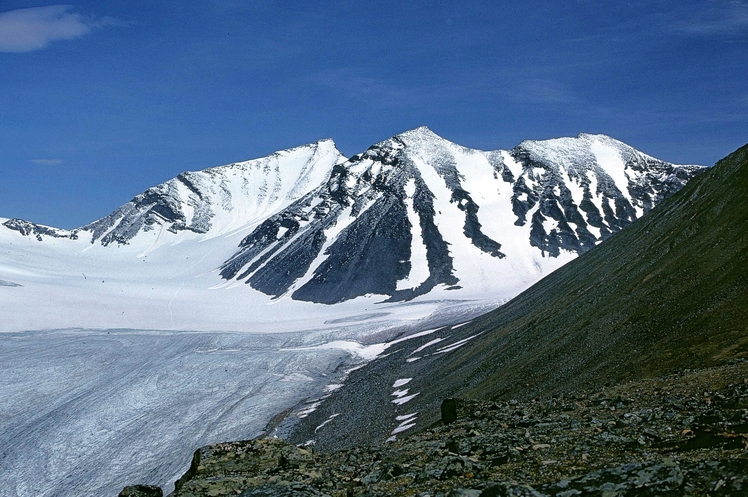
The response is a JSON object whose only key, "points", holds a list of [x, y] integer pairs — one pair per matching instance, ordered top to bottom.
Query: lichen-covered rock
{"points": [[292, 490], [141, 491]]}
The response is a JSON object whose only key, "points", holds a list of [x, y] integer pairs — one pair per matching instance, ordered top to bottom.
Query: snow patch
{"points": [[610, 160], [514, 166], [576, 189], [419, 266], [414, 335], [428, 344], [456, 345], [365, 352], [401, 382], [402, 400], [309, 409], [406, 417], [326, 421], [403, 427]]}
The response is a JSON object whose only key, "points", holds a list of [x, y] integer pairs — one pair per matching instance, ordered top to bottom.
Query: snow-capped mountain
{"points": [[213, 201], [417, 211], [411, 216]]}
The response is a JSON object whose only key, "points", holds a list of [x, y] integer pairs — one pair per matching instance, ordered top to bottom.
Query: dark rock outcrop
{"points": [[38, 231], [141, 491]]}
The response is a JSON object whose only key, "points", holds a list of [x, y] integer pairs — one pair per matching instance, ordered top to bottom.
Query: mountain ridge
{"points": [[421, 180], [414, 215]]}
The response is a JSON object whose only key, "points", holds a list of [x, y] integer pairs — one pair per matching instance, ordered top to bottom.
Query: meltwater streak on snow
{"points": [[86, 412]]}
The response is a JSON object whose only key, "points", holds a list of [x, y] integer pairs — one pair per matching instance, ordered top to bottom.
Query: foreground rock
{"points": [[684, 434], [141, 491]]}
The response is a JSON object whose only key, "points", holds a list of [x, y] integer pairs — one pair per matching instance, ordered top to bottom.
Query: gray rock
{"points": [[141, 491]]}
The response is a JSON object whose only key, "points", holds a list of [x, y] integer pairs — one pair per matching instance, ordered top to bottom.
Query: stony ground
{"points": [[683, 434]]}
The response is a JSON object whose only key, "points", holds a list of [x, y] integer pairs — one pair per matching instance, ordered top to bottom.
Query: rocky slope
{"points": [[679, 435]]}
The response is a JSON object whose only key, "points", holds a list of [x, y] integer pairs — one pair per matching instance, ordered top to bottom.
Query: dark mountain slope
{"points": [[668, 292]]}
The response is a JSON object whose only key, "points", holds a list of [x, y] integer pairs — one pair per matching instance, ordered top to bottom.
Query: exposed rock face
{"points": [[617, 185], [394, 219], [38, 231], [141, 491]]}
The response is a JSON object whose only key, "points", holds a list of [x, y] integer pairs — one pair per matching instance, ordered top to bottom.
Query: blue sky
{"points": [[101, 99]]}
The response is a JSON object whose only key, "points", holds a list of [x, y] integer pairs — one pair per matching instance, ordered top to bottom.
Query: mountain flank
{"points": [[417, 212], [668, 293]]}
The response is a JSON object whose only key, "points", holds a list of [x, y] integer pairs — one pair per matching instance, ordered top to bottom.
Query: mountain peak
{"points": [[420, 130], [419, 134], [325, 144], [320, 147]]}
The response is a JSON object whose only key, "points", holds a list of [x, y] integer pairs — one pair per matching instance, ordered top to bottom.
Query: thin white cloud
{"points": [[717, 18], [25, 30], [358, 83], [540, 91], [47, 162]]}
